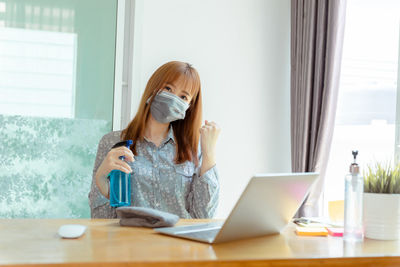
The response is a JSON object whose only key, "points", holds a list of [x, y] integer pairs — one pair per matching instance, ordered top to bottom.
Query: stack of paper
{"points": [[317, 227]]}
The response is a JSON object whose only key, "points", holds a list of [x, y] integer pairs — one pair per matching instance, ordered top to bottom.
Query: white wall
{"points": [[241, 50]]}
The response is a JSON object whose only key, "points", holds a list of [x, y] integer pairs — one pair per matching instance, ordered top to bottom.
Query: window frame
{"points": [[125, 99]]}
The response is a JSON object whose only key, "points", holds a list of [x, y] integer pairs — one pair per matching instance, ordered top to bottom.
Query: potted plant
{"points": [[382, 202]]}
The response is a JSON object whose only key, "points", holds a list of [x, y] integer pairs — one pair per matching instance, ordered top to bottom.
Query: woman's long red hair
{"points": [[186, 131]]}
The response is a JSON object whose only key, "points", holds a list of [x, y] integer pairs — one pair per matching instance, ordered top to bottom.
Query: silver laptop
{"points": [[265, 207]]}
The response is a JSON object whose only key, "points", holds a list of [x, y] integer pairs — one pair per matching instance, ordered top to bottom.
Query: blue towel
{"points": [[146, 217]]}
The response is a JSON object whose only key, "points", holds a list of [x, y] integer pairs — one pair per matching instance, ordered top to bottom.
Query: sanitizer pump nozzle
{"points": [[354, 168]]}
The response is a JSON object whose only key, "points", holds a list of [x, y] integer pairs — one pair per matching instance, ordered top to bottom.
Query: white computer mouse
{"points": [[71, 230]]}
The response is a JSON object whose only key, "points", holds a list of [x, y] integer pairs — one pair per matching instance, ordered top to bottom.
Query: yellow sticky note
{"points": [[313, 225], [311, 231]]}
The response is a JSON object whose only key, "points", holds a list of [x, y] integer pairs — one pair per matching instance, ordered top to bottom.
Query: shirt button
{"points": [[155, 165]]}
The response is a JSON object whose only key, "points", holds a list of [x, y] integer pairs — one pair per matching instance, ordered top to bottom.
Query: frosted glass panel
{"points": [[56, 102], [46, 169]]}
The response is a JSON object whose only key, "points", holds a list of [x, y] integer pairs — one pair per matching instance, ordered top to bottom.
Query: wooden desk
{"points": [[35, 242]]}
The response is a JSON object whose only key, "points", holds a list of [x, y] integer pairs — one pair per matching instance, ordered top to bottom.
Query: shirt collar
{"points": [[170, 135]]}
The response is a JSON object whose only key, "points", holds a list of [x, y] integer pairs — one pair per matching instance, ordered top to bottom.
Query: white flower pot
{"points": [[382, 216]]}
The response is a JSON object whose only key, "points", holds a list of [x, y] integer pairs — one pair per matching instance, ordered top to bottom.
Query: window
{"points": [[38, 72], [56, 102], [366, 111]]}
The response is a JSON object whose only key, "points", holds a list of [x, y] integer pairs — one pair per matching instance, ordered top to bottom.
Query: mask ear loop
{"points": [[152, 95], [149, 99]]}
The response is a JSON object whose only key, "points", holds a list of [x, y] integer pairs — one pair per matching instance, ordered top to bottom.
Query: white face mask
{"points": [[167, 107]]}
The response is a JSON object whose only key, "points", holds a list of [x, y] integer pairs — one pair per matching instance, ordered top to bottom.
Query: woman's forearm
{"points": [[207, 163], [103, 185]]}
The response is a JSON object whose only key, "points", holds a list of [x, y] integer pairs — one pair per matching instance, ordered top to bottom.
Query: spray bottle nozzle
{"points": [[126, 143]]}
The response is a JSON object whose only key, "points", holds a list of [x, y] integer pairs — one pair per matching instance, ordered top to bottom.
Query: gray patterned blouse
{"points": [[159, 183]]}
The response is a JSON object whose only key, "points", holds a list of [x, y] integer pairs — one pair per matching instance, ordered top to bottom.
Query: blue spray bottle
{"points": [[120, 183]]}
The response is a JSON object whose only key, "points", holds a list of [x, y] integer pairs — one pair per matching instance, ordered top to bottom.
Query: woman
{"points": [[172, 159]]}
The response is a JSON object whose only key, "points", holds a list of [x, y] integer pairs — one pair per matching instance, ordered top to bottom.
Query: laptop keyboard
{"points": [[199, 227], [202, 231], [205, 234]]}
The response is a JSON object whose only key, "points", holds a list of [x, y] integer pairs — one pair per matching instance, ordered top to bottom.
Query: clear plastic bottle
{"points": [[120, 183], [353, 204]]}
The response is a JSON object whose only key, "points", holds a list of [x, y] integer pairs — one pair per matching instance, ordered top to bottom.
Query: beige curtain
{"points": [[316, 49]]}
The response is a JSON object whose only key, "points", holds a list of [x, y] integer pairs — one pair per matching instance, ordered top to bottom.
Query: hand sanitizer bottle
{"points": [[120, 183], [353, 204]]}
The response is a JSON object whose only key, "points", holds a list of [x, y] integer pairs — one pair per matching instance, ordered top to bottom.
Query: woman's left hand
{"points": [[209, 133]]}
